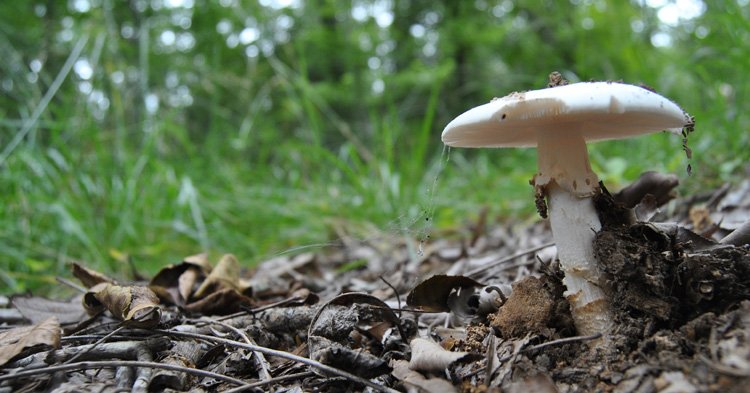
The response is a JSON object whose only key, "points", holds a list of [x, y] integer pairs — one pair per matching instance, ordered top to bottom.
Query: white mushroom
{"points": [[559, 121]]}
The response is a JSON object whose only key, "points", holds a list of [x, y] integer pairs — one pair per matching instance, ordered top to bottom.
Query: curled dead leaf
{"points": [[224, 276], [175, 284], [442, 293], [221, 302], [136, 305]]}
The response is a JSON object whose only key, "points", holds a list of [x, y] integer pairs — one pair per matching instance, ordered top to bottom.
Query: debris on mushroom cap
{"points": [[594, 110]]}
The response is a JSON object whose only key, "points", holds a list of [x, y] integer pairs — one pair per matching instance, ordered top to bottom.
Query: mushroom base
{"points": [[574, 223]]}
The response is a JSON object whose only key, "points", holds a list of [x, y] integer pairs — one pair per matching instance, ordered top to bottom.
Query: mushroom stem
{"points": [[569, 183], [574, 224]]}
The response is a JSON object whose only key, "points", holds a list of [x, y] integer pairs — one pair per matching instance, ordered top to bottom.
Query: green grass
{"points": [[161, 198]]}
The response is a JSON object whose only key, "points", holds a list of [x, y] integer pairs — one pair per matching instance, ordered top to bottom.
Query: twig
{"points": [[739, 237], [492, 264], [71, 284], [398, 298], [253, 311], [88, 337], [566, 340], [559, 341], [92, 346], [125, 350], [285, 355], [489, 358], [262, 362], [120, 363], [724, 369], [270, 381]]}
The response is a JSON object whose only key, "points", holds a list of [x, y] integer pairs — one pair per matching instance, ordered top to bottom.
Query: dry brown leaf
{"points": [[200, 260], [224, 276], [89, 277], [187, 282], [175, 283], [433, 294], [223, 302], [139, 306], [37, 309], [15, 341], [427, 355], [403, 373]]}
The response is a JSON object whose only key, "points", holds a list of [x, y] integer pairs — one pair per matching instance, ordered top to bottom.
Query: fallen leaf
{"points": [[199, 260], [224, 276], [89, 277], [174, 284], [433, 294], [223, 302], [139, 306], [37, 309], [15, 341], [427, 355], [403, 373]]}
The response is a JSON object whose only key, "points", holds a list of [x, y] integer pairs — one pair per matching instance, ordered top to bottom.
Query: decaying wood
{"points": [[660, 185], [738, 237]]}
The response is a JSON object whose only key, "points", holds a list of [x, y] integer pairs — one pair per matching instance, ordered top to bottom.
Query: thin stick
{"points": [[492, 264], [71, 284], [398, 298], [253, 311], [89, 337], [101, 340], [566, 340], [559, 341], [286, 355], [262, 362], [120, 363], [724, 369], [270, 381]]}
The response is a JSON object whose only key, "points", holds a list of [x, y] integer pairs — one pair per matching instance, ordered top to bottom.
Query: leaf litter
{"points": [[479, 308]]}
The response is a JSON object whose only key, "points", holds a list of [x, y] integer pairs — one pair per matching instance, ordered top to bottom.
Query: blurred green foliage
{"points": [[145, 131]]}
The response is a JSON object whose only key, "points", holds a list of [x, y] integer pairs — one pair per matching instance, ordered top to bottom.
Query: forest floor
{"points": [[476, 309]]}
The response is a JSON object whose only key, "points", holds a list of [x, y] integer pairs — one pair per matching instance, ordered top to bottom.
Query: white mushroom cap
{"points": [[593, 110], [560, 120]]}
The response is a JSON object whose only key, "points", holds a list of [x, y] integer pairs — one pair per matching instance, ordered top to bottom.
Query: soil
{"points": [[681, 302]]}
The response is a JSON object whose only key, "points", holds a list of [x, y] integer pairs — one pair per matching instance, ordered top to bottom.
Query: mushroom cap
{"points": [[594, 110]]}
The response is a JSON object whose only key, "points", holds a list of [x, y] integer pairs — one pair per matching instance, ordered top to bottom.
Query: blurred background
{"points": [[149, 130]]}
